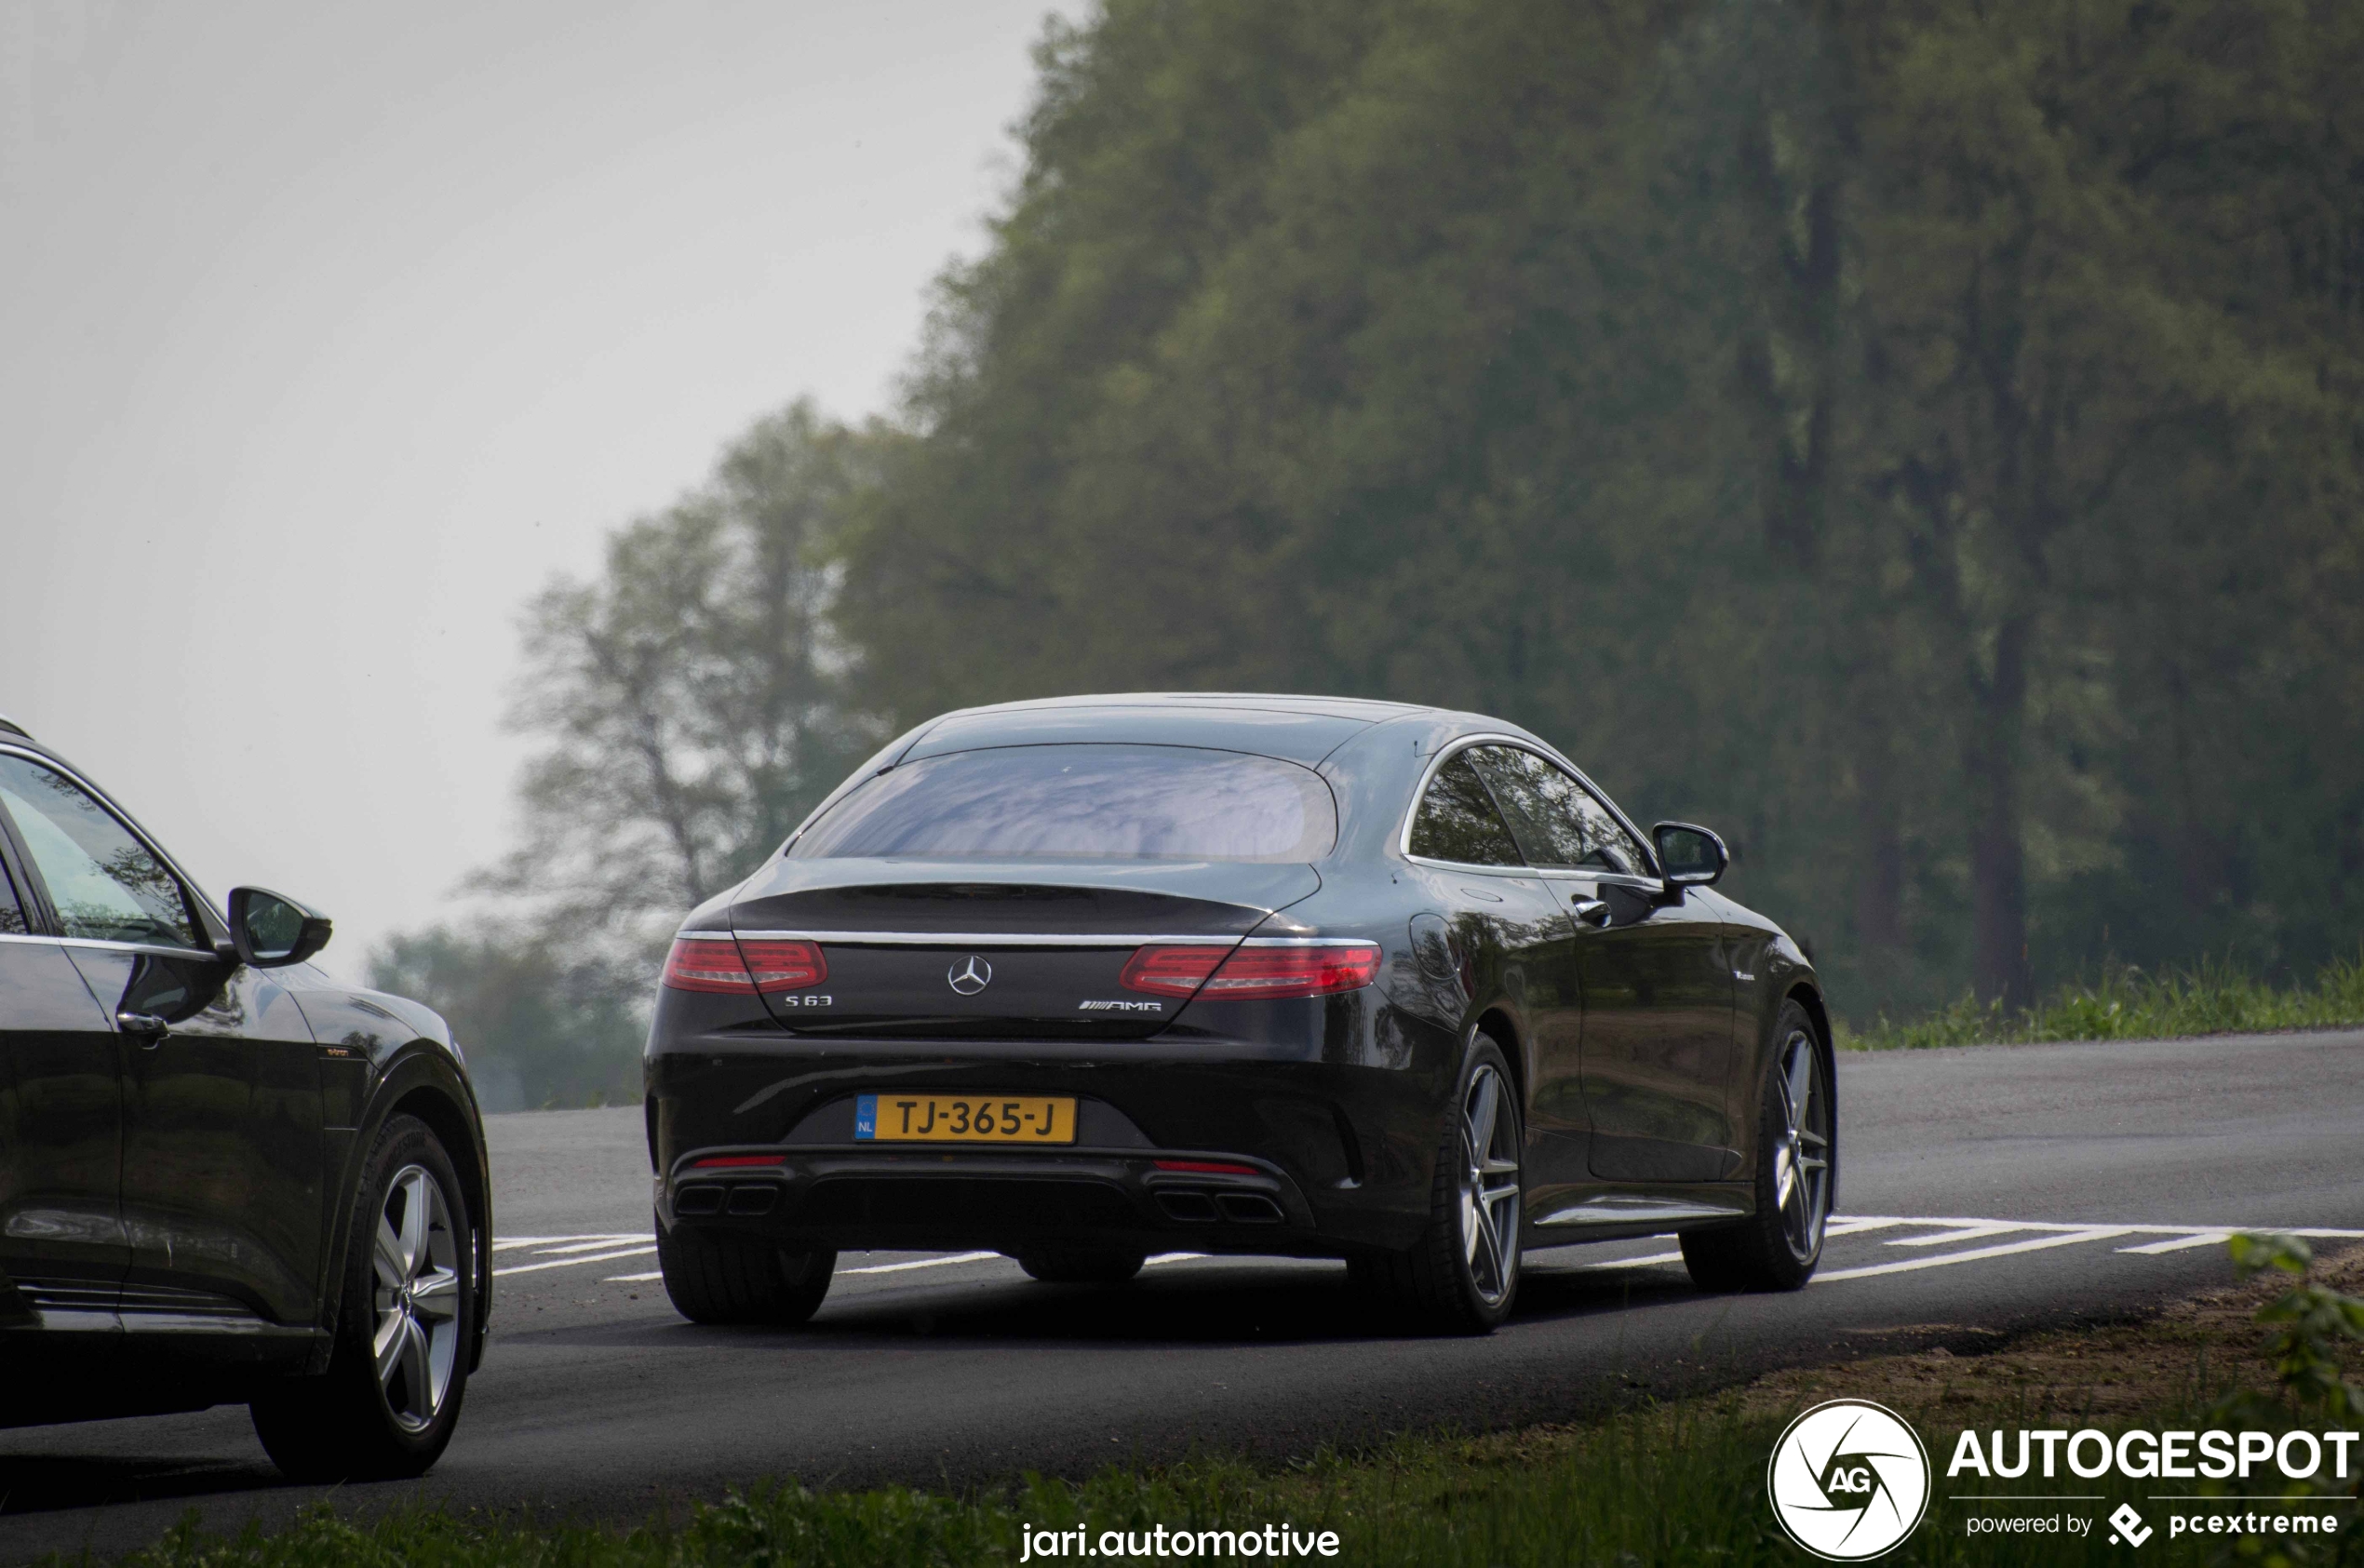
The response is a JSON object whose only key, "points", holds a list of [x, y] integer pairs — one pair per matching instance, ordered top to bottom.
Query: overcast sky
{"points": [[327, 333]]}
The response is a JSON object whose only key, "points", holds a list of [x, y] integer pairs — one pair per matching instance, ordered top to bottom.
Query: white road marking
{"points": [[1852, 1224], [2088, 1225], [1958, 1233], [2094, 1233], [2178, 1243], [593, 1246], [564, 1252], [569, 1263], [922, 1263], [900, 1267]]}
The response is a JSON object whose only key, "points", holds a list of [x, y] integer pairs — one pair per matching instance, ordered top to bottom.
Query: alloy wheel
{"points": [[1802, 1149], [1489, 1187], [416, 1286]]}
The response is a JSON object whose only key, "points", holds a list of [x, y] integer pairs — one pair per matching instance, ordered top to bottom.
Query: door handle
{"points": [[1591, 911], [147, 1025]]}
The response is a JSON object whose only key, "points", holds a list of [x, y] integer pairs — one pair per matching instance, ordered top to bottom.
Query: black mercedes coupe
{"points": [[1090, 979], [225, 1176]]}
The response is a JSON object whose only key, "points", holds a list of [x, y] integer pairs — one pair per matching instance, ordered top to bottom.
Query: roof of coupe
{"points": [[1299, 729]]}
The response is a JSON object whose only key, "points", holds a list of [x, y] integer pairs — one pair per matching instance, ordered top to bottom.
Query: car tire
{"points": [[1778, 1246], [1061, 1265], [1463, 1276], [726, 1279], [409, 1284]]}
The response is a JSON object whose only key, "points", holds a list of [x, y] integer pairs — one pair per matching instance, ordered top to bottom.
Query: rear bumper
{"points": [[1342, 1139], [867, 1199]]}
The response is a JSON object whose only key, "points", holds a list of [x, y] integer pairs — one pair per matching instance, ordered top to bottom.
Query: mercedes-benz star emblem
{"points": [[968, 976]]}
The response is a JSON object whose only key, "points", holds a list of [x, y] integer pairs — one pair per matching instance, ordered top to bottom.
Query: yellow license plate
{"points": [[964, 1119]]}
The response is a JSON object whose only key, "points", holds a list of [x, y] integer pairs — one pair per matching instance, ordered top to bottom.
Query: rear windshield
{"points": [[1083, 802]]}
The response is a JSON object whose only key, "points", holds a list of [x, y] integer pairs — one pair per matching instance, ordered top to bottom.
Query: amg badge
{"points": [[1120, 1006]]}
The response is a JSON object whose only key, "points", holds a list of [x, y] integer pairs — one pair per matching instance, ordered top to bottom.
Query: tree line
{"points": [[1920, 440]]}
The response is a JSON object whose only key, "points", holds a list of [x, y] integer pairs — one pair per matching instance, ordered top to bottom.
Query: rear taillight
{"points": [[705, 963], [784, 965], [1298, 970], [1170, 971], [1254, 972]]}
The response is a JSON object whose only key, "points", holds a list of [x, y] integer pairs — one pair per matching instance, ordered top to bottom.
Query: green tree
{"points": [[2085, 368], [1919, 438], [691, 697], [691, 703], [539, 1022]]}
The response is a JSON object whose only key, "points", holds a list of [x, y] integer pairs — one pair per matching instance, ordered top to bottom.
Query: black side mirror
{"points": [[1690, 855], [271, 930]]}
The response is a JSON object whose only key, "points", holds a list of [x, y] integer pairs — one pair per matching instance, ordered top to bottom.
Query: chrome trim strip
{"points": [[1470, 868], [1611, 879], [970, 939], [1309, 941], [108, 944], [1637, 1211], [78, 1320]]}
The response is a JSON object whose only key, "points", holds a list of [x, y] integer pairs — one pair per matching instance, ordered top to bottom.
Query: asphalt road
{"points": [[1985, 1189]]}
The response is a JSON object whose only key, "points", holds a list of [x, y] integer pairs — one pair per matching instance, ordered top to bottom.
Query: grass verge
{"points": [[2129, 1003], [1674, 1484]]}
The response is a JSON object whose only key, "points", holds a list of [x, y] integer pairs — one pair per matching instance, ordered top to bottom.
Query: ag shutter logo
{"points": [[1849, 1480]]}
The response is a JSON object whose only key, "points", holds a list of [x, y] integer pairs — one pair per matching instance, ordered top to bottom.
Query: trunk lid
{"points": [[982, 950]]}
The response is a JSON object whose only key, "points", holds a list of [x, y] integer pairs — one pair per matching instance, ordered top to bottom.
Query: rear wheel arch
{"points": [[1807, 996], [1496, 1025]]}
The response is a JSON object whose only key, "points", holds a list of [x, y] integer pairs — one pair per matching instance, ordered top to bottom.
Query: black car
{"points": [[1089, 979], [225, 1177]]}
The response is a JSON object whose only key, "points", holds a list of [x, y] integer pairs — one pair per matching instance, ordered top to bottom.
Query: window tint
{"points": [[1084, 802], [1458, 819], [1556, 820], [103, 880]]}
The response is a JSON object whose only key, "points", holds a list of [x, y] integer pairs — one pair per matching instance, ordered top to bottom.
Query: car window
{"points": [[1084, 802], [1456, 820], [1557, 821], [103, 883], [12, 920]]}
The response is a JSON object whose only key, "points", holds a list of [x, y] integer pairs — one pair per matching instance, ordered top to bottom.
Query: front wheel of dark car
{"points": [[1777, 1247], [1464, 1274], [726, 1279], [385, 1408]]}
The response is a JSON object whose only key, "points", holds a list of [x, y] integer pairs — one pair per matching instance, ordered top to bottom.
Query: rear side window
{"points": [[1083, 802], [1555, 819], [1457, 821], [102, 881], [12, 920]]}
